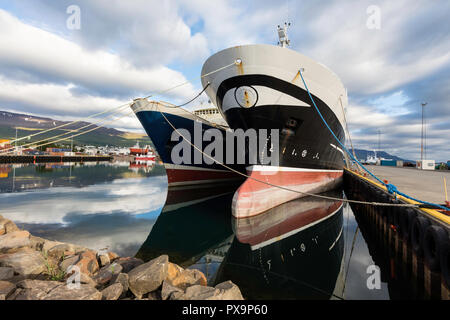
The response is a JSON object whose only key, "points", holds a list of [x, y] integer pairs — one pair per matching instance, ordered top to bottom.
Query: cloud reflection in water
{"points": [[117, 214]]}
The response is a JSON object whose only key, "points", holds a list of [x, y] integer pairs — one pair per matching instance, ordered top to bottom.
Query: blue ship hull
{"points": [[191, 172]]}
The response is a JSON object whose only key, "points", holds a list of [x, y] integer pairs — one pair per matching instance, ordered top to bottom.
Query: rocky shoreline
{"points": [[33, 268]]}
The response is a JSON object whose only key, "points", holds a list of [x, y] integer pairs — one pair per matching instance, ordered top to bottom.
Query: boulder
{"points": [[7, 226], [14, 240], [37, 243], [48, 244], [66, 249], [112, 256], [103, 259], [68, 261], [24, 263], [88, 263], [129, 264], [173, 271], [6, 273], [107, 273], [148, 276], [189, 277], [17, 278], [84, 278], [122, 278], [38, 284], [6, 288], [34, 289], [168, 289], [223, 291], [229, 291], [84, 292], [113, 292], [196, 292], [15, 294], [154, 295]]}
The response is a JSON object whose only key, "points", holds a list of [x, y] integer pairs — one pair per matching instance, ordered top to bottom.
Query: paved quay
{"points": [[420, 184]]}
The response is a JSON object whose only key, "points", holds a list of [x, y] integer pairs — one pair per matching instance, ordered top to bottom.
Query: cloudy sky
{"points": [[127, 49]]}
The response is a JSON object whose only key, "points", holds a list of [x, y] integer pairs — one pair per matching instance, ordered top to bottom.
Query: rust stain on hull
{"points": [[240, 68]]}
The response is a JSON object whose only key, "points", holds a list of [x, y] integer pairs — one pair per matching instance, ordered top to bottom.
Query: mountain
{"points": [[27, 124], [362, 154]]}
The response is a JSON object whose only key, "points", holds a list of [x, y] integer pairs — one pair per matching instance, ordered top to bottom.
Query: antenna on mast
{"points": [[283, 36]]}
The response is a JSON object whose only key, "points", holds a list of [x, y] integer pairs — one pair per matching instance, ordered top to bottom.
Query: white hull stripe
{"points": [[337, 148], [185, 167], [288, 169], [195, 182], [176, 206], [290, 233], [335, 241]]}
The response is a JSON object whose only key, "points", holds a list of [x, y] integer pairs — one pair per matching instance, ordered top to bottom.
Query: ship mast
{"points": [[283, 36]]}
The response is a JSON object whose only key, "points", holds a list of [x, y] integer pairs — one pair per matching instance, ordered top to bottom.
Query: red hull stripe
{"points": [[186, 176], [286, 178], [254, 197], [298, 222]]}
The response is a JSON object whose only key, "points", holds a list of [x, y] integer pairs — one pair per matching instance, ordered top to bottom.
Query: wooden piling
{"points": [[403, 262]]}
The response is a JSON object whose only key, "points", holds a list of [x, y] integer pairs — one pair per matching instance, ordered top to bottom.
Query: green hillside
{"points": [[99, 137]]}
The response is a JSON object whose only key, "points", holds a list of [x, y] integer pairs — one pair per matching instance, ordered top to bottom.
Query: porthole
{"points": [[246, 96]]}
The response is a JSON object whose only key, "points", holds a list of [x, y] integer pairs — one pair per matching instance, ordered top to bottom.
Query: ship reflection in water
{"points": [[97, 205], [194, 227], [308, 248], [293, 251]]}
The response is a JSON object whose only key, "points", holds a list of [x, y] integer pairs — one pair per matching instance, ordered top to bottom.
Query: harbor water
{"points": [[304, 249]]}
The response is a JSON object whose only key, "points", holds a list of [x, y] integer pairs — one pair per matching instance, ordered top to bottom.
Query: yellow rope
{"points": [[277, 186], [445, 189]]}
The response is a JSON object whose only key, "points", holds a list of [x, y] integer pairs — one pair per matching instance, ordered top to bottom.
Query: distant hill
{"points": [[27, 124], [362, 154]]}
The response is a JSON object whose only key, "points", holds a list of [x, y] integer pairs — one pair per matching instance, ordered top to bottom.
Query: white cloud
{"points": [[231, 23], [144, 32], [125, 49], [38, 51], [363, 57], [57, 101], [363, 116], [142, 196]]}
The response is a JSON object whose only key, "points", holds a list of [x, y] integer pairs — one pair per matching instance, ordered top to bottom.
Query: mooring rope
{"points": [[107, 111], [68, 124], [81, 133], [37, 143], [281, 187], [392, 189], [350, 258]]}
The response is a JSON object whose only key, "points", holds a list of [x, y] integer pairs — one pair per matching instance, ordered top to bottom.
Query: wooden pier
{"points": [[46, 159], [421, 184], [414, 241]]}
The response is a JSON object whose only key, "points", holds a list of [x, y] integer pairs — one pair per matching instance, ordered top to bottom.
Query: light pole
{"points": [[421, 141], [15, 144], [379, 144]]}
